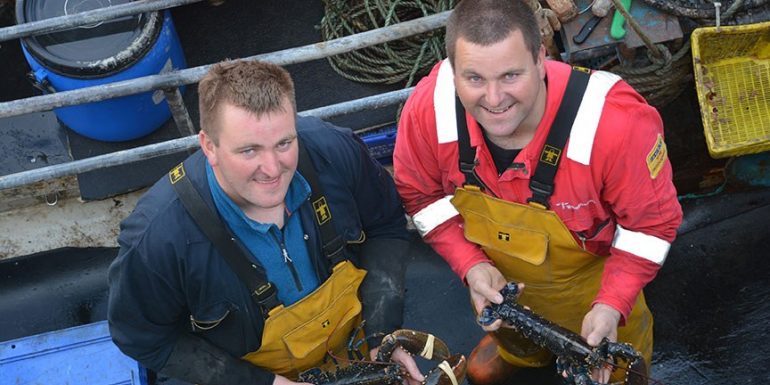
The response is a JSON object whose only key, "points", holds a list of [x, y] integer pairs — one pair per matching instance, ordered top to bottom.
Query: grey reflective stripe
{"points": [[581, 139], [434, 214], [646, 246]]}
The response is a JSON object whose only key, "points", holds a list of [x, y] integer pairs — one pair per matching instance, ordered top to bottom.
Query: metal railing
{"points": [[61, 23], [170, 83], [181, 144]]}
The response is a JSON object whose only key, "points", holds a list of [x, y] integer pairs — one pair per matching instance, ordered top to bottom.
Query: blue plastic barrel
{"points": [[102, 53]]}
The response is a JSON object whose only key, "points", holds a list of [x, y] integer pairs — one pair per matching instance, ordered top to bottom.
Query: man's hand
{"points": [[484, 283], [600, 322], [414, 377], [281, 380]]}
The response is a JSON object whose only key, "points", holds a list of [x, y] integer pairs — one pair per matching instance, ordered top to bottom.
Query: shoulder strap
{"points": [[467, 155], [541, 182], [209, 222], [333, 244]]}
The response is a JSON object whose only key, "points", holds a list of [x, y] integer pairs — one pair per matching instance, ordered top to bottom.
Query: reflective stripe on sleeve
{"points": [[444, 104], [434, 215], [646, 246]]}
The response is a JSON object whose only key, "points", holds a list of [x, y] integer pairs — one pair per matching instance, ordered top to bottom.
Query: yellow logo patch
{"points": [[582, 69], [550, 155], [657, 157], [176, 174], [322, 213]]}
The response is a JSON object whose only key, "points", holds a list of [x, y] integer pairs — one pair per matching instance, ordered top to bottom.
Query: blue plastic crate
{"points": [[381, 143], [82, 355]]}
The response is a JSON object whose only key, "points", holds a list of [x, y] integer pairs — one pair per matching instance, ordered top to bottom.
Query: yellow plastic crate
{"points": [[732, 77]]}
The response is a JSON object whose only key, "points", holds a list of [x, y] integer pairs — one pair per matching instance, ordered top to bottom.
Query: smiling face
{"points": [[502, 86], [254, 157]]}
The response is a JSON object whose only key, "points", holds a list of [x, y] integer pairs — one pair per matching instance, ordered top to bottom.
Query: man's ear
{"points": [[541, 61], [208, 147]]}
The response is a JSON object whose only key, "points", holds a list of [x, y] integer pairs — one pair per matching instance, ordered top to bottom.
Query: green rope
{"points": [[402, 60]]}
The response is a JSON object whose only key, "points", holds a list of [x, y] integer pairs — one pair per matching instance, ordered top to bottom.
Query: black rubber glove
{"points": [[382, 292]]}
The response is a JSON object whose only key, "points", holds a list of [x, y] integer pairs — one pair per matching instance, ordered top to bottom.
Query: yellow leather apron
{"points": [[532, 245], [297, 337]]}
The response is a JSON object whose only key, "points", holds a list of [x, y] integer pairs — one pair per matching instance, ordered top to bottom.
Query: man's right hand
{"points": [[484, 283], [281, 380]]}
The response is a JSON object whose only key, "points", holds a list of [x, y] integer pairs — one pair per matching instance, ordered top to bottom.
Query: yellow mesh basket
{"points": [[732, 77]]}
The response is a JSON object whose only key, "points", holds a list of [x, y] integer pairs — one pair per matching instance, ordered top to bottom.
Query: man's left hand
{"points": [[600, 322], [413, 377]]}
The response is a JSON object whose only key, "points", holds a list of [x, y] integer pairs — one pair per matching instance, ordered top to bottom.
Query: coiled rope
{"points": [[393, 62], [663, 79]]}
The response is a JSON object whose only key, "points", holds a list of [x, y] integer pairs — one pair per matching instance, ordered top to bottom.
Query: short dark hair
{"points": [[486, 22], [258, 87]]}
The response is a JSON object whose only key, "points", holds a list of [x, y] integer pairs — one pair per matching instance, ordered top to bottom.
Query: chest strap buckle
{"points": [[540, 194], [266, 296]]}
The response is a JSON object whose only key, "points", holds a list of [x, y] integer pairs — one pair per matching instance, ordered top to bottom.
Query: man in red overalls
{"points": [[514, 167]]}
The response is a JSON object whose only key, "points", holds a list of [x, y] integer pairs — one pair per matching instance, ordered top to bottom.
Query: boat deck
{"points": [[709, 300]]}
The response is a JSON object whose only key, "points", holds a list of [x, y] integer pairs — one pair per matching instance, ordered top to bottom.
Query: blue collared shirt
{"points": [[267, 243]]}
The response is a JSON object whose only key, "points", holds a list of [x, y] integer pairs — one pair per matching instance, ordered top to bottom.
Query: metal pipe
{"points": [[61, 23], [193, 75], [371, 102], [179, 111], [181, 144]]}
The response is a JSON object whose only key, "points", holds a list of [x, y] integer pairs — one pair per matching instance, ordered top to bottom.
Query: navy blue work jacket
{"points": [[167, 273]]}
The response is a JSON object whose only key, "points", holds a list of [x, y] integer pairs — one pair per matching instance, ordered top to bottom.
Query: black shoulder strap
{"points": [[467, 155], [541, 182], [209, 222], [333, 244]]}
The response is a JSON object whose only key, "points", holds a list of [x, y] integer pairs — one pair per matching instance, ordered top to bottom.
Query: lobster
{"points": [[575, 358], [383, 371]]}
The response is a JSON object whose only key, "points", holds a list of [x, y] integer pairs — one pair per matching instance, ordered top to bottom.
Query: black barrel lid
{"points": [[95, 50]]}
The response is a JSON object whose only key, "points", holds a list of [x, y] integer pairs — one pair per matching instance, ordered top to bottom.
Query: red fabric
{"points": [[616, 188]]}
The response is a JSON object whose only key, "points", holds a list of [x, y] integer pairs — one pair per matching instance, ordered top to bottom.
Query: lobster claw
{"points": [[510, 292], [490, 313], [487, 316], [417, 343], [637, 367], [450, 371]]}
